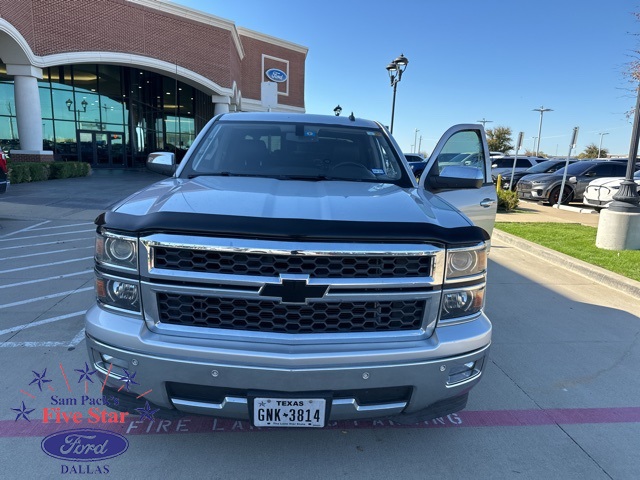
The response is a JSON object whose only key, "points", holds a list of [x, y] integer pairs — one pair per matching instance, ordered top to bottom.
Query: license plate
{"points": [[289, 412]]}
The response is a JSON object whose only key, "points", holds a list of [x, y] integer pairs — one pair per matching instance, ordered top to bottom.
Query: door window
{"points": [[462, 149]]}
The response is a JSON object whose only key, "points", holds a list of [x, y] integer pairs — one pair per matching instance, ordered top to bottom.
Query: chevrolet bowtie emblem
{"points": [[293, 291]]}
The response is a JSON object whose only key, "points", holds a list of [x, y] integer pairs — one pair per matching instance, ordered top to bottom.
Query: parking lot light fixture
{"points": [[395, 70], [541, 110], [600, 146]]}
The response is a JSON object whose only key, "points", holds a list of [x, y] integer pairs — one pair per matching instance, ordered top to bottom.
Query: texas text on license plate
{"points": [[289, 412]]}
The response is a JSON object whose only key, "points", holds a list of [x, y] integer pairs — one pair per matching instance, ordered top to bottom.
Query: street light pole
{"points": [[395, 70], [541, 110], [415, 140], [600, 147], [627, 199]]}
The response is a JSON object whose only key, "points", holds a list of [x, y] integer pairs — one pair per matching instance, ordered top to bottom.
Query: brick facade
{"points": [[123, 26]]}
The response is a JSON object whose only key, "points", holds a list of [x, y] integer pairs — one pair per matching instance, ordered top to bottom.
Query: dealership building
{"points": [[107, 82]]}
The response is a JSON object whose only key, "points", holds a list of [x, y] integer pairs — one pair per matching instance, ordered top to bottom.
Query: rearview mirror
{"points": [[163, 163]]}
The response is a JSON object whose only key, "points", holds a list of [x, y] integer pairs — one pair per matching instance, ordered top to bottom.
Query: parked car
{"points": [[417, 163], [503, 165], [548, 166], [4, 170], [545, 187], [599, 193]]}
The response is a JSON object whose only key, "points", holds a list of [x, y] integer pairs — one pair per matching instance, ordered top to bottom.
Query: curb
{"points": [[593, 272]]}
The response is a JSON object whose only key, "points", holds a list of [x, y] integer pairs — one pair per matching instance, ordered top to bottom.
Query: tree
{"points": [[499, 139], [591, 151], [531, 153]]}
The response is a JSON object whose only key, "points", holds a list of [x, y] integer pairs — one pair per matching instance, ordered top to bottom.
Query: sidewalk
{"points": [[530, 212], [535, 212]]}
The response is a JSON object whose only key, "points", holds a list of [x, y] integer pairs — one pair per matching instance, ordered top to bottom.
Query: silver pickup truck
{"points": [[292, 272]]}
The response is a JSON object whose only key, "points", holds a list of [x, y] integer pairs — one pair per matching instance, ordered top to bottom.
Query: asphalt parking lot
{"points": [[559, 398]]}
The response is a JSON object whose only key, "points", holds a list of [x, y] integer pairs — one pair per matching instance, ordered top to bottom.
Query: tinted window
{"points": [[463, 149], [578, 168]]}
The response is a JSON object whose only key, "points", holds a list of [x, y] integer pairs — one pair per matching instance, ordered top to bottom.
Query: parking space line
{"points": [[61, 226], [25, 229], [45, 235], [58, 242], [46, 253], [45, 265], [57, 277], [45, 297], [18, 328], [77, 339], [74, 342], [33, 344]]}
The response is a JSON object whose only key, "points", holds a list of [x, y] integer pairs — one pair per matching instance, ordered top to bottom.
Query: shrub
{"points": [[69, 169], [38, 171], [19, 172], [22, 172], [507, 200]]}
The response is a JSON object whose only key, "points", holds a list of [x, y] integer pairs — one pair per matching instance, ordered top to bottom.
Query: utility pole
{"points": [[484, 122]]}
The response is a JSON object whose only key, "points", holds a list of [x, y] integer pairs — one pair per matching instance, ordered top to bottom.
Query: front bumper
{"points": [[216, 378]]}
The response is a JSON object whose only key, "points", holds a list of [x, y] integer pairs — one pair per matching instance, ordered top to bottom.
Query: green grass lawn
{"points": [[578, 241]]}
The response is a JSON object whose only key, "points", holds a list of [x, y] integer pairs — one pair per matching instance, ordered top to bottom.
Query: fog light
{"points": [[463, 372]]}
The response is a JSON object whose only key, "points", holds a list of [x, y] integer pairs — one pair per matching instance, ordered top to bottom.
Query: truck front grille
{"points": [[270, 265], [269, 316]]}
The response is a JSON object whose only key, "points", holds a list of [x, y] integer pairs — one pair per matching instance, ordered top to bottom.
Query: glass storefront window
{"points": [[61, 77], [85, 77], [45, 102], [59, 104], [137, 111]]}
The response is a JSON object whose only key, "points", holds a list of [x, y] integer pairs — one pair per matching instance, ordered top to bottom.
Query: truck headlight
{"points": [[117, 250], [466, 263], [118, 292], [459, 304]]}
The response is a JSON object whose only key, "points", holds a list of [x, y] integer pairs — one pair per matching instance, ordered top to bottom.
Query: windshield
{"points": [[295, 151]]}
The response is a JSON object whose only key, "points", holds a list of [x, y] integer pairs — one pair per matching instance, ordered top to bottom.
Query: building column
{"points": [[221, 104], [28, 114]]}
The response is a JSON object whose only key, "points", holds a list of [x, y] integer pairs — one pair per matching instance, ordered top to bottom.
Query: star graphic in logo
{"points": [[85, 374], [40, 378], [128, 378], [262, 404], [23, 412], [146, 412]]}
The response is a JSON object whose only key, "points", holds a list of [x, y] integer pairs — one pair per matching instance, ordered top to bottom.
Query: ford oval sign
{"points": [[276, 75], [84, 445]]}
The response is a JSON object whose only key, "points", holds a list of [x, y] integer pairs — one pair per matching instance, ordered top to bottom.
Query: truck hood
{"points": [[272, 198]]}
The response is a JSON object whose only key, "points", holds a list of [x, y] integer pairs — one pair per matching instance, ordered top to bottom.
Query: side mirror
{"points": [[163, 163], [454, 177], [573, 180]]}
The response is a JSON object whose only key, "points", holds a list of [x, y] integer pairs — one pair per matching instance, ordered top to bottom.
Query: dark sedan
{"points": [[548, 166], [545, 187]]}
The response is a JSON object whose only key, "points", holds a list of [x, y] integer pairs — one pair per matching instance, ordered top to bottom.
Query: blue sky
{"points": [[468, 60]]}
